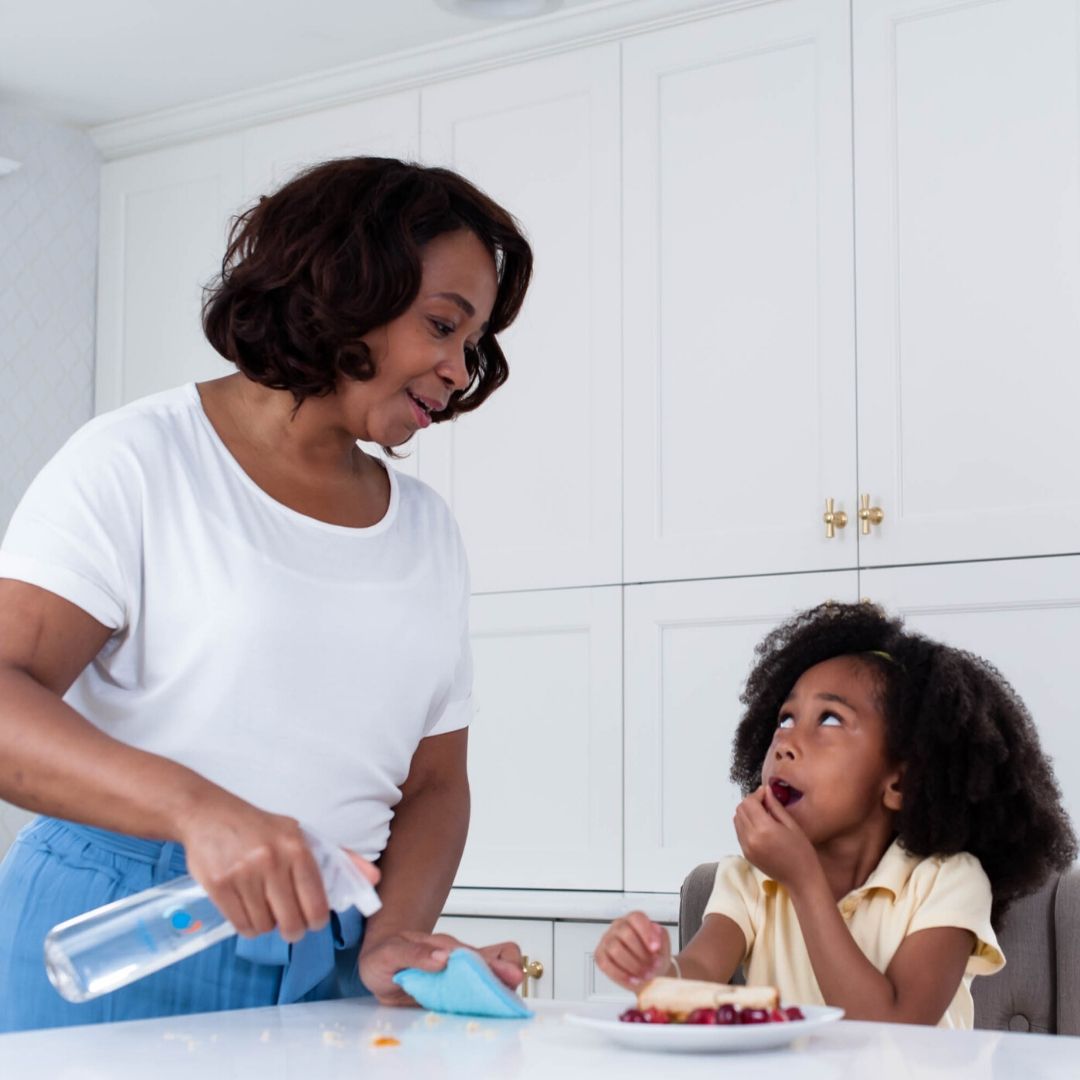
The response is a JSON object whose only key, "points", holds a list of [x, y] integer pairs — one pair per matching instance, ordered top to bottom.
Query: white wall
{"points": [[48, 270]]}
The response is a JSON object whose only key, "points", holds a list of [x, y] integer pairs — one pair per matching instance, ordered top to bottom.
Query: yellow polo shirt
{"points": [[905, 893]]}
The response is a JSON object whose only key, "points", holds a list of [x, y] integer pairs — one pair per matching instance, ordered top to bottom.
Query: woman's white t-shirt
{"points": [[296, 663]]}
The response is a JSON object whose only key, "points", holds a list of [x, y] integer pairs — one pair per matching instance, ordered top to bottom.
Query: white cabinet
{"points": [[967, 169], [164, 219], [738, 306], [533, 476], [1023, 616], [689, 649], [545, 747], [535, 938], [576, 976]]}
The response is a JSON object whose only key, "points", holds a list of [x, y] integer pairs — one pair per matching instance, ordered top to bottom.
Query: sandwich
{"points": [[692, 1001]]}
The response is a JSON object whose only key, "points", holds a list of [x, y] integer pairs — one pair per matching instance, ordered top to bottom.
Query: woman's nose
{"points": [[454, 371]]}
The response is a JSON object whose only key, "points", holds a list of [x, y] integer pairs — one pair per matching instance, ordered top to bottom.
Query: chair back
{"points": [[1039, 987]]}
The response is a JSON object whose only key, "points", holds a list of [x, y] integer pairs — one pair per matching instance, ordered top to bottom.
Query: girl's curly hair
{"points": [[337, 252], [975, 778]]}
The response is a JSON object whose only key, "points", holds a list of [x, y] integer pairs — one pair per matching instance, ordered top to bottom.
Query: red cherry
{"points": [[793, 1012], [727, 1014], [653, 1015], [777, 1015], [632, 1016], [702, 1016], [754, 1016]]}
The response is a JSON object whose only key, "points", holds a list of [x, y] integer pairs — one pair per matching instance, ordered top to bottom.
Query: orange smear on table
{"points": [[385, 1040]]}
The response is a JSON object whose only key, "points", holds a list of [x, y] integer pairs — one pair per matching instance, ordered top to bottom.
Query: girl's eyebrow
{"points": [[826, 695]]}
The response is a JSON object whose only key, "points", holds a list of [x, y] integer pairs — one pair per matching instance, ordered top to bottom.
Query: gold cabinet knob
{"points": [[869, 515], [834, 519], [531, 969]]}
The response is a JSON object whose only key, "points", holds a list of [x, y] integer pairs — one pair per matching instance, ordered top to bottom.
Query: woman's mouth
{"points": [[420, 410], [784, 793]]}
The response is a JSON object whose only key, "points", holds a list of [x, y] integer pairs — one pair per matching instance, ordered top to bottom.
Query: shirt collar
{"points": [[891, 874]]}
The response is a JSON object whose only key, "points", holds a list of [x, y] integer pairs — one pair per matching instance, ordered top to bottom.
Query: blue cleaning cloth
{"points": [[466, 985]]}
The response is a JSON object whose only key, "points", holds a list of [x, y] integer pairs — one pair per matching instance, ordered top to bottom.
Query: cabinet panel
{"points": [[967, 155], [164, 219], [739, 306], [533, 476], [1023, 616], [689, 649], [545, 747], [533, 936], [577, 978]]}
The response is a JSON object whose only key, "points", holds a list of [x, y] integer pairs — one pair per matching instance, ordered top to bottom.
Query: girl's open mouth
{"points": [[784, 793]]}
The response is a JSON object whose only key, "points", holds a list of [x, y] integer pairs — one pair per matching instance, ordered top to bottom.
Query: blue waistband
{"points": [[305, 963]]}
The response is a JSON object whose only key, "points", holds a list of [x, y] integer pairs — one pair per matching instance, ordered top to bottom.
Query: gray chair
{"points": [[1038, 989]]}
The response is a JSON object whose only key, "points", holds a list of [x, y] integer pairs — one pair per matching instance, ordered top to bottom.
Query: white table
{"points": [[334, 1039]]}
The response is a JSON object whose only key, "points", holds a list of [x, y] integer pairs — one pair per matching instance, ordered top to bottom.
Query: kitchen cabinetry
{"points": [[739, 304], [545, 747]]}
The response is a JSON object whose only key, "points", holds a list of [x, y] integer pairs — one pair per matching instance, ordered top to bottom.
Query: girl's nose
{"points": [[783, 745]]}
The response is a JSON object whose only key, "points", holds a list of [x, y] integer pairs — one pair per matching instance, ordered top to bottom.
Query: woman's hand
{"points": [[772, 840], [256, 867], [633, 950], [381, 961]]}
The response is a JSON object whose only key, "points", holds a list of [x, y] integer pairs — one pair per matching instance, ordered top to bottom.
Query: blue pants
{"points": [[56, 870]]}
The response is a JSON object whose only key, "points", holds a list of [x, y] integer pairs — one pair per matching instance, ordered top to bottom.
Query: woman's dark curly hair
{"points": [[337, 252], [975, 778]]}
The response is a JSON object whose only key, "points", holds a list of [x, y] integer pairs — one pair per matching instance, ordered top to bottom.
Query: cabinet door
{"points": [[386, 126], [967, 166], [164, 219], [739, 308], [533, 476], [1023, 616], [689, 649], [545, 748], [533, 936], [577, 978]]}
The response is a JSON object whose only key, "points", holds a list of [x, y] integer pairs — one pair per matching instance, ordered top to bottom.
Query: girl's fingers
{"points": [[650, 935], [615, 971]]}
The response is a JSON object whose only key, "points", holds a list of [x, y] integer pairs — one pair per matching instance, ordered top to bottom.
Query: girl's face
{"points": [[420, 357], [828, 762]]}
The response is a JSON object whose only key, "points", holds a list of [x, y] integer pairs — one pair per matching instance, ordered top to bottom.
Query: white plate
{"points": [[712, 1038]]}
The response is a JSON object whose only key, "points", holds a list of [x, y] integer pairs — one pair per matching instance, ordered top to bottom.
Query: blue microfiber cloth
{"points": [[466, 985]]}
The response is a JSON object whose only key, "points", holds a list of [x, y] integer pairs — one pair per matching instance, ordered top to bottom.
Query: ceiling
{"points": [[89, 63]]}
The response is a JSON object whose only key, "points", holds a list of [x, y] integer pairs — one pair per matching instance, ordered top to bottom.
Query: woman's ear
{"points": [[892, 797]]}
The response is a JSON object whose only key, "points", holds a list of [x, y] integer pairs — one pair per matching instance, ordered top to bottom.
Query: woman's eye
{"points": [[441, 328], [830, 720], [786, 722]]}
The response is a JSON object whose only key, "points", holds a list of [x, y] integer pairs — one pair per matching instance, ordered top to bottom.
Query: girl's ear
{"points": [[892, 797]]}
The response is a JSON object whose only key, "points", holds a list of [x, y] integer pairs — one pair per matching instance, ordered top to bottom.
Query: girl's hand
{"points": [[772, 840], [256, 867], [633, 950], [380, 962]]}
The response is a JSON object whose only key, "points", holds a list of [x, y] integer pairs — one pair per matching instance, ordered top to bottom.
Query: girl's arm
{"points": [[634, 949], [926, 970]]}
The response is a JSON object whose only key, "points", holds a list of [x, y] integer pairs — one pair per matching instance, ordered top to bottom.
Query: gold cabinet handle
{"points": [[869, 515], [834, 519], [531, 969]]}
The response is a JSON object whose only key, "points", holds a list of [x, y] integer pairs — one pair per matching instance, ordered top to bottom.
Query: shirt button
{"points": [[847, 908]]}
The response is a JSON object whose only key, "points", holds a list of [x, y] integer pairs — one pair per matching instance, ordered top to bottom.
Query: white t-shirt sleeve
{"points": [[76, 530], [458, 710]]}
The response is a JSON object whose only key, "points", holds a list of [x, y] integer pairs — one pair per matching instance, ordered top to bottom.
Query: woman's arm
{"points": [[427, 837], [254, 865], [924, 973]]}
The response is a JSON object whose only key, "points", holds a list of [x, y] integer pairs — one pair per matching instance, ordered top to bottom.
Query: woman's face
{"points": [[420, 357]]}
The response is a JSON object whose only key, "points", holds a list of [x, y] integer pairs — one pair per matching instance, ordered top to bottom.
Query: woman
{"points": [[220, 618]]}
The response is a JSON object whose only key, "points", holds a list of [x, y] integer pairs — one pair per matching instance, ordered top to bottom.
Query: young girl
{"points": [[897, 802]]}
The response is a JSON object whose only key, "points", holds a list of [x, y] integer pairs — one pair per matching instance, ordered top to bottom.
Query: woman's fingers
{"points": [[369, 870]]}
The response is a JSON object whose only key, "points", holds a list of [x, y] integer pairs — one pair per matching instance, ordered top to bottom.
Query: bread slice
{"points": [[682, 996]]}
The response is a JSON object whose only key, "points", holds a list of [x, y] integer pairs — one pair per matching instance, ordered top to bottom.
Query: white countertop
{"points": [[561, 904], [334, 1039]]}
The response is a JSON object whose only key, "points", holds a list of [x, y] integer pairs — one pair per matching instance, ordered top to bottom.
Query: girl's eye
{"points": [[830, 720], [786, 722]]}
